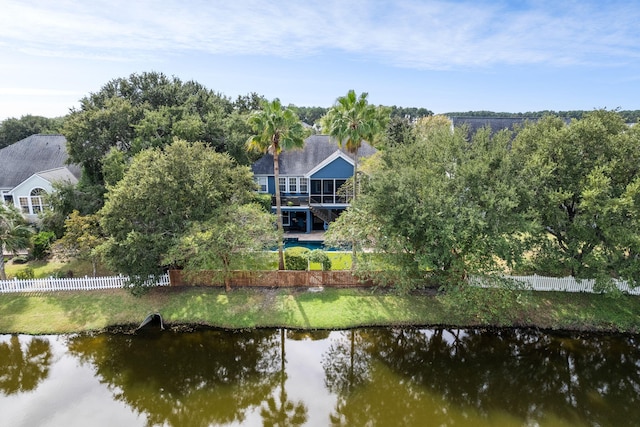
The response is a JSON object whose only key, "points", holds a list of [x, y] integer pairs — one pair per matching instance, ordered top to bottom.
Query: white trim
{"points": [[328, 161], [257, 179], [298, 183], [288, 218]]}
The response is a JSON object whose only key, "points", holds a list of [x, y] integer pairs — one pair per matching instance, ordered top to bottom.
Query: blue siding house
{"points": [[310, 179]]}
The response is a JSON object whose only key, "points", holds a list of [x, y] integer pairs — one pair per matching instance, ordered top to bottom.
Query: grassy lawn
{"points": [[47, 268], [65, 312]]}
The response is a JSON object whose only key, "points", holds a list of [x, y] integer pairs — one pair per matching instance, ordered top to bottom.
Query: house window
{"points": [[262, 184], [282, 184], [293, 185], [304, 185], [327, 191], [37, 200], [24, 205], [286, 218]]}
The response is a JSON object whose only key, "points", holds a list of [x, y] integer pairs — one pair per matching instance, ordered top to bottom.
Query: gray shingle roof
{"points": [[36, 153], [298, 162], [63, 174]]}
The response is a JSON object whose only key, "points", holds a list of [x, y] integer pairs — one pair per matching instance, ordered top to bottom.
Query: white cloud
{"points": [[414, 34]]}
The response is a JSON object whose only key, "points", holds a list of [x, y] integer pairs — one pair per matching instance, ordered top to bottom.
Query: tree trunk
{"points": [[276, 173], [355, 191], [3, 275]]}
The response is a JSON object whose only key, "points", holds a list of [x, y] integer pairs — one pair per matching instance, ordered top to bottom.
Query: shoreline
{"points": [[190, 308]]}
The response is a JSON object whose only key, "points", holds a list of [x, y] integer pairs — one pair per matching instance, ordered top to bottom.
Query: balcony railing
{"points": [[314, 199], [329, 199]]}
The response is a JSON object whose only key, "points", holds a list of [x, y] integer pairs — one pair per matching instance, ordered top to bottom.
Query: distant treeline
{"points": [[311, 114], [630, 116], [13, 130]]}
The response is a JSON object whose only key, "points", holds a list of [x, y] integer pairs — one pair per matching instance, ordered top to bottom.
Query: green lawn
{"points": [[46, 268], [75, 311]]}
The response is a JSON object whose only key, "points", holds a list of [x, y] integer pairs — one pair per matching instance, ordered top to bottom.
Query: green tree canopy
{"points": [[149, 110], [13, 130], [581, 185], [160, 196], [441, 205], [82, 237], [235, 237]]}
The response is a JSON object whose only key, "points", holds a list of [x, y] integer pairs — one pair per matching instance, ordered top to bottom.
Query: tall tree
{"points": [[143, 111], [352, 120], [277, 129], [583, 193], [160, 196], [441, 206], [15, 234]]}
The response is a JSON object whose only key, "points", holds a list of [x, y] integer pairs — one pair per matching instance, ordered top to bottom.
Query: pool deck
{"points": [[302, 237]]}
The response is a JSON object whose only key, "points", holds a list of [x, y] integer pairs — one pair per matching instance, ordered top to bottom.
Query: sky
{"points": [[447, 56]]}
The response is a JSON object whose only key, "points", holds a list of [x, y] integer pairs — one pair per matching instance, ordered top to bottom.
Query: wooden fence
{"points": [[282, 278], [73, 284]]}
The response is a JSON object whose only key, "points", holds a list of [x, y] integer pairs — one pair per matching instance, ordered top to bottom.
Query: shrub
{"points": [[42, 244], [320, 256], [296, 258], [20, 259], [26, 274]]}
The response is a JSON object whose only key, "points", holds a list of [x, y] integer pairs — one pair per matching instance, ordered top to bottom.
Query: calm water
{"points": [[364, 377]]}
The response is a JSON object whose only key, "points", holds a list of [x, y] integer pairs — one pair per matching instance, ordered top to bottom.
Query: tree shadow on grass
{"points": [[11, 307]]}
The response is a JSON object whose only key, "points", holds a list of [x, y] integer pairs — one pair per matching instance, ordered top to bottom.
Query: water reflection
{"points": [[23, 364], [396, 376], [175, 379]]}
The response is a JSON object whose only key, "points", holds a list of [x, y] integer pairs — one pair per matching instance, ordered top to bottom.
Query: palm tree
{"points": [[352, 120], [277, 129], [14, 234]]}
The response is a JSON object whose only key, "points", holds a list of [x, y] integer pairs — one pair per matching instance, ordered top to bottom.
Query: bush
{"points": [[42, 244], [320, 256], [296, 258], [20, 259], [26, 274]]}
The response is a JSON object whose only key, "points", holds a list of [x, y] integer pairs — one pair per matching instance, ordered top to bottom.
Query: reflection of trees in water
{"points": [[346, 362], [23, 366], [524, 375], [198, 379], [283, 412]]}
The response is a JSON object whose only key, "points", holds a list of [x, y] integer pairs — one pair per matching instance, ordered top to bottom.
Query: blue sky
{"points": [[512, 56]]}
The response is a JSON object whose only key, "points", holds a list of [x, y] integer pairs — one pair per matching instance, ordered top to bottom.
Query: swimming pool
{"points": [[309, 244]]}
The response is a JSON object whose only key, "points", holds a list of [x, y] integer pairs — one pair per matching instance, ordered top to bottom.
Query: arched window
{"points": [[37, 200]]}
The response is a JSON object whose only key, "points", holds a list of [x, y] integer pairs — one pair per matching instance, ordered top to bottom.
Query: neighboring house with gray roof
{"points": [[28, 169], [310, 179]]}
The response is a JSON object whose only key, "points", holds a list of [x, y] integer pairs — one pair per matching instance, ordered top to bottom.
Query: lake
{"points": [[360, 377]]}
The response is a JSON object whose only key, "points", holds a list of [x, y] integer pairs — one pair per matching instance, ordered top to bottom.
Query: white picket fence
{"points": [[535, 282], [73, 283], [564, 284]]}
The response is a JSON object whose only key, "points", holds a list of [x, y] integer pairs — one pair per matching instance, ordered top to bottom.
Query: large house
{"points": [[30, 167], [309, 180]]}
